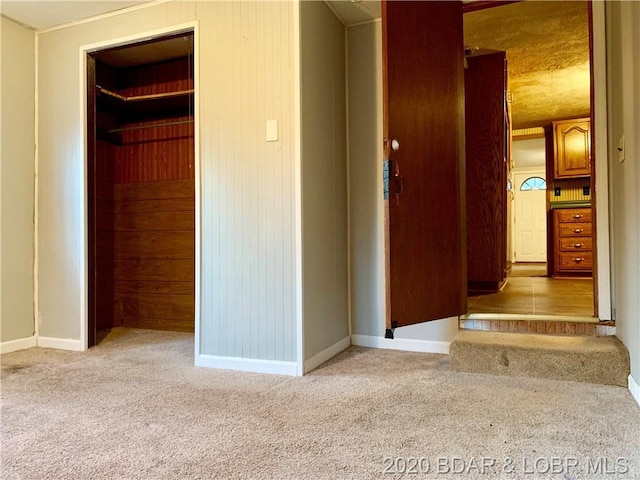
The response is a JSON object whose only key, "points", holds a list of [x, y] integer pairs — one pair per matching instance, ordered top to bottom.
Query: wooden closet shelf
{"points": [[137, 98], [143, 108], [153, 125]]}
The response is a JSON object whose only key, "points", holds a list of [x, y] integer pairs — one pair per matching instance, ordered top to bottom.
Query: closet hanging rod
{"points": [[143, 97], [153, 125]]}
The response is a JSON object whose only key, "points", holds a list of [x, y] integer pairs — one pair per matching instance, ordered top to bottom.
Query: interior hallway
{"points": [[528, 291]]}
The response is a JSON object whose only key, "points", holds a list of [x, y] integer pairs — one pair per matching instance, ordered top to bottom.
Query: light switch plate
{"points": [[272, 130], [621, 149]]}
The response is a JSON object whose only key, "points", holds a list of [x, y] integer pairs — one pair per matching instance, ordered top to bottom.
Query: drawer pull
{"points": [[577, 215], [578, 230], [578, 245], [578, 259]]}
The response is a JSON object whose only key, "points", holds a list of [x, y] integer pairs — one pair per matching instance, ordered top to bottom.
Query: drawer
{"points": [[573, 215], [574, 229], [575, 244], [575, 261]]}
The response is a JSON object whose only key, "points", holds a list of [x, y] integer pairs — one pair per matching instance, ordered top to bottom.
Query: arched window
{"points": [[533, 183]]}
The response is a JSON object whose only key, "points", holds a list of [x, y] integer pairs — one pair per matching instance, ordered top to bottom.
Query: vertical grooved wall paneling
{"points": [[571, 189], [248, 195]]}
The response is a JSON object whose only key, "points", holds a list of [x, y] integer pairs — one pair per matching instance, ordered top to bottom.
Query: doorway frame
{"points": [[84, 50], [600, 140], [600, 180], [600, 183]]}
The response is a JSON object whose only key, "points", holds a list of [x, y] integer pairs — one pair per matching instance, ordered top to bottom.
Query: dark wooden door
{"points": [[423, 98], [486, 165]]}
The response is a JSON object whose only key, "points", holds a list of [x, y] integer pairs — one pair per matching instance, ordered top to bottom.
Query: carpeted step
{"points": [[603, 360]]}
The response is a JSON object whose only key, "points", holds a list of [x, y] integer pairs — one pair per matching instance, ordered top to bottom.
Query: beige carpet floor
{"points": [[134, 407]]}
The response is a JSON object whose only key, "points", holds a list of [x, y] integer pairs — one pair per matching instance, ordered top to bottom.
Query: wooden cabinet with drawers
{"points": [[573, 242]]}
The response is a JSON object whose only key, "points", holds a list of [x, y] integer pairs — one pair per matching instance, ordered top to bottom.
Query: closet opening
{"points": [[141, 186]]}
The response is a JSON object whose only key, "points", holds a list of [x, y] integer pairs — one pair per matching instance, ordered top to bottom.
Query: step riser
{"points": [[538, 326]]}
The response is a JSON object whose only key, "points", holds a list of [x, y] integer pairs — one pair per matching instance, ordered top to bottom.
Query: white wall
{"points": [[246, 59], [623, 66], [528, 152], [324, 172], [365, 174], [17, 181], [367, 205]]}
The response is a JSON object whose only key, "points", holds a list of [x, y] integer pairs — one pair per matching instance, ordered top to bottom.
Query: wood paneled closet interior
{"points": [[140, 186]]}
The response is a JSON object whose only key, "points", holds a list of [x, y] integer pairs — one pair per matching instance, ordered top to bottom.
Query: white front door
{"points": [[530, 218]]}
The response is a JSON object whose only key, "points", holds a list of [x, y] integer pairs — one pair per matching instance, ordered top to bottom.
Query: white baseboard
{"points": [[60, 343], [19, 344], [406, 344], [326, 354], [247, 364], [634, 388]]}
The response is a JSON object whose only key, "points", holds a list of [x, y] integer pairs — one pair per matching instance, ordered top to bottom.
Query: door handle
{"points": [[388, 145], [577, 216], [578, 230], [578, 245], [578, 259]]}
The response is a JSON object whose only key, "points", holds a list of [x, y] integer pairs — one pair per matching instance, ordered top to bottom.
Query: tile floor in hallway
{"points": [[537, 295]]}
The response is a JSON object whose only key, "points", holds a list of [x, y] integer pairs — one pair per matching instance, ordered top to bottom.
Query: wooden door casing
{"points": [[423, 109]]}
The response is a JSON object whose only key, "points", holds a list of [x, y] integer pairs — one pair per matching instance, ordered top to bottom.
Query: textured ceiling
{"points": [[354, 12], [547, 45]]}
